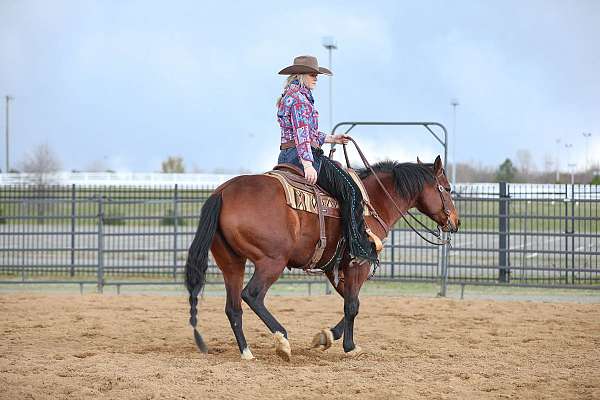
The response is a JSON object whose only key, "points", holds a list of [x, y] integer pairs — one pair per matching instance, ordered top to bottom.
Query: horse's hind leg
{"points": [[233, 268], [266, 273], [325, 338]]}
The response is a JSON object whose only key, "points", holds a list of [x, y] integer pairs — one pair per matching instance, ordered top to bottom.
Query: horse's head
{"points": [[435, 200]]}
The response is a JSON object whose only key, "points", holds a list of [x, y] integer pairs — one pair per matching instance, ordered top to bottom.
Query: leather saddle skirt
{"points": [[300, 195]]}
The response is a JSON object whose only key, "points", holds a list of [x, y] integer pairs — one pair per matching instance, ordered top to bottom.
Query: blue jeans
{"points": [[290, 156], [340, 185]]}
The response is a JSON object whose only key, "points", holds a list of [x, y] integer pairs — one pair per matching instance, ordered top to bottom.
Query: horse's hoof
{"points": [[323, 340], [282, 346], [354, 353], [247, 354]]}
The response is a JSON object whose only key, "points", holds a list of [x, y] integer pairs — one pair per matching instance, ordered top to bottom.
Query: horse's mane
{"points": [[409, 178]]}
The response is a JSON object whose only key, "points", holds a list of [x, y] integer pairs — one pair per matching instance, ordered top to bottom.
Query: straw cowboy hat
{"points": [[305, 65]]}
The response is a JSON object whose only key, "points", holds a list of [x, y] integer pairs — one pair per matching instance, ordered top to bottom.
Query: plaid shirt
{"points": [[299, 120]]}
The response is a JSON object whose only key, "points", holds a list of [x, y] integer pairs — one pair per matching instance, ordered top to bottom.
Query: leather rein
{"points": [[441, 190]]}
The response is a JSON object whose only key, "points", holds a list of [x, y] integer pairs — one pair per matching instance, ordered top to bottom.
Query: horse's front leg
{"points": [[354, 277]]}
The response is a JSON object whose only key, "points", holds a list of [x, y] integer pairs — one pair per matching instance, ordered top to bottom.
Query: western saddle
{"points": [[301, 195]]}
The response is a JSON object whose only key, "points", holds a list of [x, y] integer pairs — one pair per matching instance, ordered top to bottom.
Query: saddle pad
{"points": [[299, 195]]}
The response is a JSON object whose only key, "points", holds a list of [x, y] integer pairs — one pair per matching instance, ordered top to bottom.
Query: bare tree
{"points": [[41, 160], [41, 163], [549, 163], [526, 164], [173, 165], [472, 173]]}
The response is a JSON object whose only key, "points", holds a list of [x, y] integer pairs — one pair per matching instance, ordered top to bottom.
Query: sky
{"points": [[126, 84]]}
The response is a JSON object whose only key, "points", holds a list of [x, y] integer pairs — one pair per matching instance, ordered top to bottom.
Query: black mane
{"points": [[408, 177]]}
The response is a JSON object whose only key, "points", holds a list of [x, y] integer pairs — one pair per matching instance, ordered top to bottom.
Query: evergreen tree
{"points": [[506, 172]]}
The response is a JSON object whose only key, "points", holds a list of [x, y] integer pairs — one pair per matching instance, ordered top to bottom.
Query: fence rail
{"points": [[511, 234]]}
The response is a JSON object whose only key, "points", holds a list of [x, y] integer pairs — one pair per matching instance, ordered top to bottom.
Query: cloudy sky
{"points": [[127, 83]]}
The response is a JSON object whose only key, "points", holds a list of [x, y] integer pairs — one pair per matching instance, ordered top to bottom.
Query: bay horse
{"points": [[247, 218]]}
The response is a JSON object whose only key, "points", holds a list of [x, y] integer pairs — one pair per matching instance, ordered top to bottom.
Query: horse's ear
{"points": [[419, 161], [437, 165]]}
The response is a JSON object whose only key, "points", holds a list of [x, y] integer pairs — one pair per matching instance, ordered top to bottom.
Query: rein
{"points": [[441, 189]]}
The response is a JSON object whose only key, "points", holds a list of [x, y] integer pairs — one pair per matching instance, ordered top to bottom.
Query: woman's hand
{"points": [[340, 138], [310, 173]]}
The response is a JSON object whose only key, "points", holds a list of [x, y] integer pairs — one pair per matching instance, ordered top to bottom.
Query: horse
{"points": [[247, 218]]}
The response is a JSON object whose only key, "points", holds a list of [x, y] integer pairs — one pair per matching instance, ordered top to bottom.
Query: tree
{"points": [[42, 160], [41, 163], [526, 164], [173, 165], [506, 172]]}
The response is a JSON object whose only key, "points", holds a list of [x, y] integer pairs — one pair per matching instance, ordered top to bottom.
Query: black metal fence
{"points": [[511, 234], [534, 235]]}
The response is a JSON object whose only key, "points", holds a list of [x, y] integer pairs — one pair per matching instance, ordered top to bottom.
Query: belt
{"points": [[291, 143]]}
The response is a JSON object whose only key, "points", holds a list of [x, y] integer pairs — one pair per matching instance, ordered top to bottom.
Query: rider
{"points": [[301, 143]]}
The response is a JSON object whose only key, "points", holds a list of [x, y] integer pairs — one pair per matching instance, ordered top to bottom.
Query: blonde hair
{"points": [[288, 81]]}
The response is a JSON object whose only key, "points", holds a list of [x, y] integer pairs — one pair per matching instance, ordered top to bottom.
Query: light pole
{"points": [[330, 44], [8, 99], [454, 103], [587, 136], [569, 146], [557, 160], [572, 168]]}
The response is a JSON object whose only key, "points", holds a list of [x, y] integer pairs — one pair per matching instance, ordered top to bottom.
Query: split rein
{"points": [[441, 189]]}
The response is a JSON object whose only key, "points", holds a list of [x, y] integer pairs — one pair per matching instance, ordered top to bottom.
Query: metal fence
{"points": [[511, 234]]}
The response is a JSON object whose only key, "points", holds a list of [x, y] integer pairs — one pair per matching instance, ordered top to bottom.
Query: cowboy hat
{"points": [[305, 65]]}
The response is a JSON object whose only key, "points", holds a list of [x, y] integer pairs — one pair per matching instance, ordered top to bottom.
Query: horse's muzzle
{"points": [[450, 226]]}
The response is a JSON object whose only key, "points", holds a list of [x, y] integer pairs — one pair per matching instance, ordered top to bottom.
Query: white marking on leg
{"points": [[323, 340], [282, 346], [356, 352], [247, 354]]}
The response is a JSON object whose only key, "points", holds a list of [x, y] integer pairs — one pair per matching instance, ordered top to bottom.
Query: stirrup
{"points": [[373, 238], [314, 271]]}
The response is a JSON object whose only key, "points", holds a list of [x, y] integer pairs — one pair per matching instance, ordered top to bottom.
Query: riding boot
{"points": [[340, 185]]}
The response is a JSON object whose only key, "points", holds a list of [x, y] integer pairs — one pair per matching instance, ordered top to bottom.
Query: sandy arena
{"points": [[140, 347]]}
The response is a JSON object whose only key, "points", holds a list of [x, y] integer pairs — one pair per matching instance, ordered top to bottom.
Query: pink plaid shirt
{"points": [[299, 120]]}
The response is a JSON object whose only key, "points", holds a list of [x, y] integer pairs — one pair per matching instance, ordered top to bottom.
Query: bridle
{"points": [[441, 190]]}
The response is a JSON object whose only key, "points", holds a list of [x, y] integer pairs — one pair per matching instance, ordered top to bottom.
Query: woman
{"points": [[301, 143]]}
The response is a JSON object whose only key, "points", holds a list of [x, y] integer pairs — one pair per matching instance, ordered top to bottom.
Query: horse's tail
{"points": [[197, 261]]}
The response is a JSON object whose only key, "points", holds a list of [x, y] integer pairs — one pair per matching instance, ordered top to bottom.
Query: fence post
{"points": [[175, 230], [572, 233], [393, 251], [504, 256], [443, 265], [72, 271], [100, 271]]}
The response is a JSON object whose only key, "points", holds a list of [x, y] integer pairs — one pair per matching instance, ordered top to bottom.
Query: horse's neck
{"points": [[381, 202]]}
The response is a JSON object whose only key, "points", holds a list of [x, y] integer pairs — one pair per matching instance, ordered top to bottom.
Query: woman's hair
{"points": [[290, 79]]}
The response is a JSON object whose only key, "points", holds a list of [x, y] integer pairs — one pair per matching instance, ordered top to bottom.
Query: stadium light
{"points": [[330, 44], [8, 99], [454, 103], [587, 136], [557, 160]]}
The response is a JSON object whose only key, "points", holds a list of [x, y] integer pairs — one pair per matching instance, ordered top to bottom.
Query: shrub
{"points": [[169, 219], [113, 220]]}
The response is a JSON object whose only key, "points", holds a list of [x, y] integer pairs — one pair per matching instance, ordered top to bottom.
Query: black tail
{"points": [[197, 261]]}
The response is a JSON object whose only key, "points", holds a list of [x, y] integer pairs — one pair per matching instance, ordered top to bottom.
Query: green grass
{"points": [[126, 206], [371, 288]]}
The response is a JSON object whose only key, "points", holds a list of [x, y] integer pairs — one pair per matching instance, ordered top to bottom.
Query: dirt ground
{"points": [[140, 347]]}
